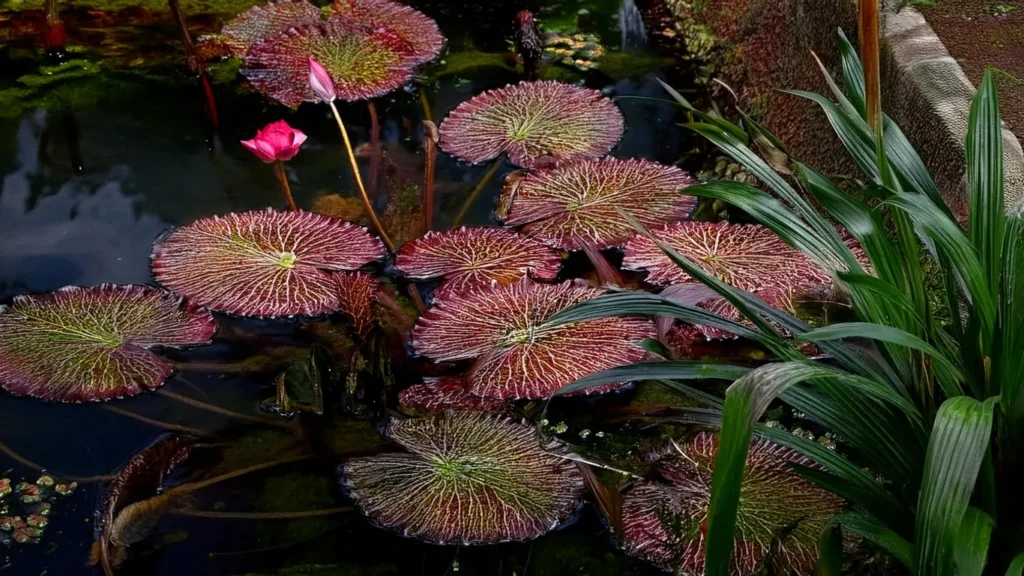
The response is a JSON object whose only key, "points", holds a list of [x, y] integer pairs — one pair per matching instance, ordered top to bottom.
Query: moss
{"points": [[468, 62], [619, 65]]}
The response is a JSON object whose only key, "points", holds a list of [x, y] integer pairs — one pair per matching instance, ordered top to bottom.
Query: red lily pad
{"points": [[266, 22], [369, 49], [533, 122], [582, 200], [747, 256], [474, 257], [263, 263], [357, 292], [93, 344], [517, 356], [445, 393], [469, 478], [779, 520]]}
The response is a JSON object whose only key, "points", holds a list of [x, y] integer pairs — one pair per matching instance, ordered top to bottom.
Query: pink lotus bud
{"points": [[320, 81], [276, 141]]}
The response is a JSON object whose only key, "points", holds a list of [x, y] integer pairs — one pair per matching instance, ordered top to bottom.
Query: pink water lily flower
{"points": [[277, 141]]}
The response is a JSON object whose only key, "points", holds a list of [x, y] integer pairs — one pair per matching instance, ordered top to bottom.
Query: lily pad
{"points": [[266, 22], [369, 48], [534, 123], [582, 201], [747, 256], [474, 257], [263, 263], [357, 292], [93, 344], [518, 356], [437, 395], [468, 478], [779, 520]]}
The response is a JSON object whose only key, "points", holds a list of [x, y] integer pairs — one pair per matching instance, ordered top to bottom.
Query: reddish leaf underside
{"points": [[267, 22], [419, 33], [533, 122], [583, 200], [747, 256], [475, 257], [263, 263], [357, 291], [502, 327], [92, 344], [445, 393], [469, 478], [666, 523]]}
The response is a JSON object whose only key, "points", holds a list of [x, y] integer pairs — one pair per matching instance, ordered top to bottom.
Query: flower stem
{"points": [[430, 140], [375, 153], [282, 177], [359, 182], [475, 193]]}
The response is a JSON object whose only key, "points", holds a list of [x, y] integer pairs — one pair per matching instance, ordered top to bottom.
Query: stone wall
{"points": [[767, 46]]}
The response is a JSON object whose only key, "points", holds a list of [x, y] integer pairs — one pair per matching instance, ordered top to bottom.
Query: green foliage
{"points": [[923, 390]]}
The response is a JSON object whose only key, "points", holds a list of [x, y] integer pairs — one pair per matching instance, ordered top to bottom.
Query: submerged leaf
{"points": [[369, 48], [533, 122], [585, 199], [747, 256], [474, 257], [263, 263], [357, 291], [92, 344], [518, 356], [443, 394], [468, 478], [779, 520]]}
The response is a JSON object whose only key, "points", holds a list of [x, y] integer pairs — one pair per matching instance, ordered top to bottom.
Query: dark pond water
{"points": [[94, 167]]}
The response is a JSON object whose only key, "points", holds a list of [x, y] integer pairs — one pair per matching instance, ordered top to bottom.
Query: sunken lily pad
{"points": [[369, 48], [534, 123], [582, 201], [747, 256], [475, 257], [263, 263], [357, 292], [503, 328], [93, 344], [443, 394], [469, 478], [665, 523]]}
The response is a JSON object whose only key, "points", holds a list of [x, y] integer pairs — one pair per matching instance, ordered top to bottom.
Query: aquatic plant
{"points": [[368, 48], [535, 123], [274, 144], [583, 200], [748, 256], [475, 257], [263, 263], [357, 292], [93, 344], [517, 354], [438, 395], [930, 412], [468, 478], [26, 507], [780, 514]]}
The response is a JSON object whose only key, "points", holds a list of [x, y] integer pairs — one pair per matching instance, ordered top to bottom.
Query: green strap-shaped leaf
{"points": [[853, 72], [985, 175], [1008, 360], [683, 370], [960, 436], [874, 531], [971, 548], [830, 551], [1017, 566]]}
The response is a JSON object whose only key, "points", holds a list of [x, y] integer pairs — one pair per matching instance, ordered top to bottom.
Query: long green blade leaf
{"points": [[985, 174], [656, 371], [957, 447], [873, 531], [971, 548], [830, 551]]}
